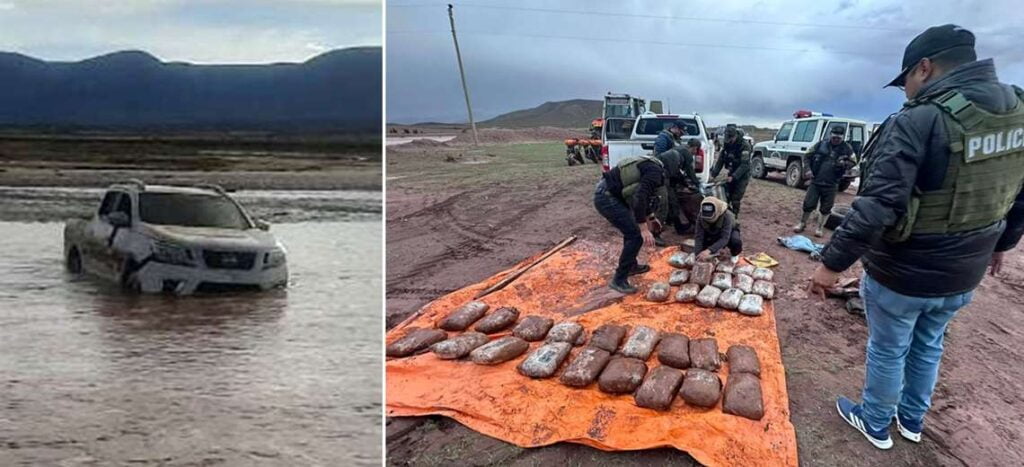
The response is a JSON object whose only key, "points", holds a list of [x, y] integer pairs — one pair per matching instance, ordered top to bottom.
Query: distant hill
{"points": [[338, 90], [576, 113]]}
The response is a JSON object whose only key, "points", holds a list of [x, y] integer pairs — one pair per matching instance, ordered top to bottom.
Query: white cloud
{"points": [[7, 6]]}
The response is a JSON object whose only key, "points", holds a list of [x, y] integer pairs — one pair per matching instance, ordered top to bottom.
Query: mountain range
{"points": [[337, 90], [575, 113]]}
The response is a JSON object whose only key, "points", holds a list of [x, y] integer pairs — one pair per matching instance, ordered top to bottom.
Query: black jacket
{"points": [[913, 151], [735, 158], [828, 162], [652, 176], [707, 237]]}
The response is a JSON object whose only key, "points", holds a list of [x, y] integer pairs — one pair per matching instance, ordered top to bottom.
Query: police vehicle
{"points": [[795, 137]]}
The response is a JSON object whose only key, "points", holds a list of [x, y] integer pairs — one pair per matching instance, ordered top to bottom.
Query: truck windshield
{"points": [[614, 109], [652, 126], [190, 210]]}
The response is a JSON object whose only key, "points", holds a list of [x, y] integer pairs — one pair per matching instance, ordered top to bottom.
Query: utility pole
{"points": [[465, 89]]}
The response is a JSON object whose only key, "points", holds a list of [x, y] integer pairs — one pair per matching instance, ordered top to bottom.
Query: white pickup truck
{"points": [[795, 137], [622, 138], [153, 239]]}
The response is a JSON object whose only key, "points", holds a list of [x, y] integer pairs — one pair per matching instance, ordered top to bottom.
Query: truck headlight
{"points": [[169, 253], [274, 258]]}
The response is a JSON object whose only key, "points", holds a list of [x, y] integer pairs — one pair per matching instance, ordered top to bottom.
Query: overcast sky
{"points": [[199, 31], [750, 62]]}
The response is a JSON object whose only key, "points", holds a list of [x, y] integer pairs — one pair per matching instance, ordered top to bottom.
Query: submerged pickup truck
{"points": [[622, 138], [153, 239]]}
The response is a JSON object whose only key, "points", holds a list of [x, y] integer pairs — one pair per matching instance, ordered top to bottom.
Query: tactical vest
{"points": [[986, 169], [629, 173]]}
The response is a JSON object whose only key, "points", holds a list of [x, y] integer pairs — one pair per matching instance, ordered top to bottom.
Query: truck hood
{"points": [[210, 237]]}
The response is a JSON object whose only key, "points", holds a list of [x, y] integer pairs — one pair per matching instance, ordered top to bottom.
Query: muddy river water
{"points": [[90, 375]]}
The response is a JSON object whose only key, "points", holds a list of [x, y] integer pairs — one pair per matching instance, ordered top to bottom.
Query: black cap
{"points": [[931, 42], [730, 130], [838, 130], [693, 143]]}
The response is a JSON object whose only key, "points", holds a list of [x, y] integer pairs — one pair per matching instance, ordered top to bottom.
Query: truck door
{"points": [[827, 133], [856, 138], [776, 149], [97, 234], [102, 255]]}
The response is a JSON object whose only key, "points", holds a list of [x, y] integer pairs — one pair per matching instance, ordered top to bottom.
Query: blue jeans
{"points": [[904, 348]]}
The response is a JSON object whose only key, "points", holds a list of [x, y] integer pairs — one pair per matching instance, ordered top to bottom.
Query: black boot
{"points": [[803, 223], [639, 269], [622, 286]]}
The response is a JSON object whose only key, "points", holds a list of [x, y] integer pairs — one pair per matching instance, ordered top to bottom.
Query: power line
{"points": [[682, 18], [649, 42]]}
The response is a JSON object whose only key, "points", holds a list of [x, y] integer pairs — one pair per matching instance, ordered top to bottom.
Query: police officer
{"points": [[668, 138], [735, 157], [826, 162], [687, 186], [628, 195], [940, 203], [668, 213], [717, 233]]}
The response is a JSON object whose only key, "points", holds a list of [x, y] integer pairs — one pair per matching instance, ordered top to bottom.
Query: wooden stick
{"points": [[515, 275]]}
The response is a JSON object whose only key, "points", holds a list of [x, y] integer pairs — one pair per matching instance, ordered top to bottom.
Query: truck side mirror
{"points": [[118, 219], [262, 224]]}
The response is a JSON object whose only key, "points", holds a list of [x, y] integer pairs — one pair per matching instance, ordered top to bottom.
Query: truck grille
{"points": [[229, 259]]}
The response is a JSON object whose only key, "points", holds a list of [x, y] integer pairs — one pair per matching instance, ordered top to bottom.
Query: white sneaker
{"points": [[910, 435]]}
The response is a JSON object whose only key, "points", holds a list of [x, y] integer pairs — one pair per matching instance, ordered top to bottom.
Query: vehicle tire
{"points": [[757, 168], [794, 174], [844, 184], [73, 262], [129, 276]]}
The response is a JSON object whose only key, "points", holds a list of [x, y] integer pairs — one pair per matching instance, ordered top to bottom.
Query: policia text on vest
{"points": [[994, 144]]}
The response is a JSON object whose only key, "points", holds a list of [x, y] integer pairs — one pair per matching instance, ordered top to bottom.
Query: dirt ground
{"points": [[264, 162], [458, 215]]}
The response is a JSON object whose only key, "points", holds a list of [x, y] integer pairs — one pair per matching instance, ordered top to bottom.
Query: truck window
{"points": [[617, 107], [831, 125], [652, 126], [618, 128], [804, 132], [857, 133], [783, 134], [856, 138], [108, 203], [124, 204]]}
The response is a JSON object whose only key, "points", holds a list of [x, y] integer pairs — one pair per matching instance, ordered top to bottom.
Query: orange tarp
{"points": [[499, 402]]}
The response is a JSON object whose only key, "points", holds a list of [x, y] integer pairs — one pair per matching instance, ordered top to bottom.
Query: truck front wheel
{"points": [[757, 168], [795, 174], [73, 263], [130, 276]]}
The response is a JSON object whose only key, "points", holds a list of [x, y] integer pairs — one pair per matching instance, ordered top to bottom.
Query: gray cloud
{"points": [[201, 31], [754, 63]]}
